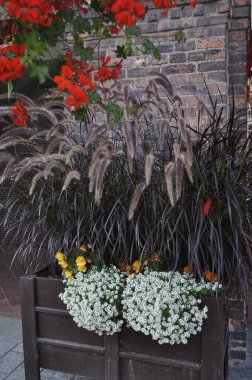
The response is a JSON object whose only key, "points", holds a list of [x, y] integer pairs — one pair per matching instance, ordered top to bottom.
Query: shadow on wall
{"points": [[30, 86]]}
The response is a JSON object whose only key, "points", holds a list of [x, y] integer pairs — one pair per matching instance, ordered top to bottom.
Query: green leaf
{"points": [[96, 5], [68, 15], [81, 25], [133, 31], [51, 35], [180, 36], [150, 48], [124, 51], [85, 54], [157, 54], [40, 71], [10, 88], [93, 96], [115, 112], [81, 114]]}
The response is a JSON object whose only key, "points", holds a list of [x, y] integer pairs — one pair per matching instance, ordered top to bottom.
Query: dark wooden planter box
{"points": [[53, 341]]}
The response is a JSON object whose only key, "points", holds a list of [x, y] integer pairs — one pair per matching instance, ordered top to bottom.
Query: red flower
{"points": [[193, 3], [31, 11], [128, 12], [114, 30], [10, 69], [79, 97], [19, 114], [207, 207]]}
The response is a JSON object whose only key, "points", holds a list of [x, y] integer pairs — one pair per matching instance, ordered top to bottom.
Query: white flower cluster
{"points": [[94, 300], [165, 305]]}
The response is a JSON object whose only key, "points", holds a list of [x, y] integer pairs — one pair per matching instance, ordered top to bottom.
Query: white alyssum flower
{"points": [[94, 300], [165, 305]]}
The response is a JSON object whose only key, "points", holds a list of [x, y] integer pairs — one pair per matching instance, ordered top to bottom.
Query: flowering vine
{"points": [[35, 26]]}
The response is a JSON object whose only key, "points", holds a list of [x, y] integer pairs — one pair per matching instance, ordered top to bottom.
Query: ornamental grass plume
{"points": [[149, 161], [169, 178], [135, 199], [165, 216]]}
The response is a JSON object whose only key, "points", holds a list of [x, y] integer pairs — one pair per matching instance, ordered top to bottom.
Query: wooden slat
{"points": [[49, 310], [62, 327], [132, 341], [214, 342], [72, 345], [31, 357], [112, 357], [160, 361], [76, 362], [131, 369]]}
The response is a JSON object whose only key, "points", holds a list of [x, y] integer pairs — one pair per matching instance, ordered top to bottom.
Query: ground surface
{"points": [[11, 356]]}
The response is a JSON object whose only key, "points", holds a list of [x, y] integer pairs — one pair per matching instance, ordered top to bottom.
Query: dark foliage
{"points": [[125, 216]]}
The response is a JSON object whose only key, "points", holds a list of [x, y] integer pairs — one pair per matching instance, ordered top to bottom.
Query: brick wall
{"points": [[214, 50]]}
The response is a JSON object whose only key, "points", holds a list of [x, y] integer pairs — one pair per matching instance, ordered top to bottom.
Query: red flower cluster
{"points": [[166, 4], [63, 5], [32, 11], [128, 12], [11, 66], [105, 73], [76, 79], [19, 114]]}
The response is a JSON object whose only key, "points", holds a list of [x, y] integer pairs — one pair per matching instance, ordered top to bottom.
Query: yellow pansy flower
{"points": [[60, 256], [80, 261], [63, 263], [136, 266], [82, 268], [69, 274]]}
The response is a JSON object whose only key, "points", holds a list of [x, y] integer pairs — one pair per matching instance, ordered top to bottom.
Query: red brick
{"points": [[241, 2], [223, 8], [239, 23], [195, 33], [237, 35], [211, 43], [214, 54], [197, 56], [179, 68], [195, 78], [240, 101]]}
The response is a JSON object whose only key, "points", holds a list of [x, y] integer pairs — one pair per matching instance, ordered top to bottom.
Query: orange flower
{"points": [[83, 248], [156, 258], [89, 261], [136, 266], [122, 267], [128, 268], [186, 269], [208, 275], [215, 277]]}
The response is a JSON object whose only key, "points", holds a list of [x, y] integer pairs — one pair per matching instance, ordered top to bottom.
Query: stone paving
{"points": [[12, 367]]}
